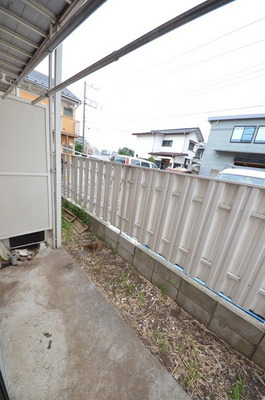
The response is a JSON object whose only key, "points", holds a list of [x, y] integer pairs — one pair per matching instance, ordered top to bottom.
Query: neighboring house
{"points": [[33, 86], [238, 140], [171, 147]]}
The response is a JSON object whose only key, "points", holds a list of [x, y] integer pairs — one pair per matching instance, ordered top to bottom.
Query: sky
{"points": [[212, 66]]}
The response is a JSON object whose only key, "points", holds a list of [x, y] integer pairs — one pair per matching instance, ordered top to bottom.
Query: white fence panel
{"points": [[215, 231]]}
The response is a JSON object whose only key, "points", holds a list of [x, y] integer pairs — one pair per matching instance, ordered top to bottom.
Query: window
{"points": [[68, 112], [242, 134], [260, 136], [167, 143], [191, 145], [199, 153], [135, 162], [145, 164]]}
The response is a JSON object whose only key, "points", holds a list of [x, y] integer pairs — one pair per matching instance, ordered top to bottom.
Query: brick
{"points": [[94, 224], [101, 230], [112, 234], [111, 243], [127, 244], [142, 255], [128, 257], [142, 268], [167, 273], [160, 282], [198, 294], [193, 309], [237, 320], [231, 337], [262, 344], [259, 355]]}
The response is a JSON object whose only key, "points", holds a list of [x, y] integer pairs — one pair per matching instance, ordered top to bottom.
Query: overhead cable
{"points": [[182, 19]]}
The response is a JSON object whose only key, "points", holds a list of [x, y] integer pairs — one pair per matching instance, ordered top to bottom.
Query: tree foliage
{"points": [[78, 147], [125, 151], [151, 159]]}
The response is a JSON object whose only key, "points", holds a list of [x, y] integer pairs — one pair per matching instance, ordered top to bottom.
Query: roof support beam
{"points": [[41, 9], [182, 19], [22, 21], [18, 36], [18, 49], [3, 53], [10, 65], [11, 74]]}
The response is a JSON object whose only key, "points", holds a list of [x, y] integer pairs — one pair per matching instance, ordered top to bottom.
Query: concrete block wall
{"points": [[243, 332]]}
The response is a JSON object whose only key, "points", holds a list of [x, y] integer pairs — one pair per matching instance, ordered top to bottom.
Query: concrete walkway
{"points": [[60, 339]]}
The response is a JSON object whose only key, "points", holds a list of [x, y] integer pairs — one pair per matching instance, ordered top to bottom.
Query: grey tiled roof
{"points": [[42, 80], [183, 131]]}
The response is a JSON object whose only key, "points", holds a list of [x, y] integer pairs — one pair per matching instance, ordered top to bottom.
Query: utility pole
{"points": [[91, 103], [84, 117]]}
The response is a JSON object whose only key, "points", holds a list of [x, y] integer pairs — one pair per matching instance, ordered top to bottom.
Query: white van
{"points": [[133, 161], [252, 176]]}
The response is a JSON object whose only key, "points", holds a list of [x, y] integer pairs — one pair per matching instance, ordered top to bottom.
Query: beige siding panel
{"points": [[25, 200]]}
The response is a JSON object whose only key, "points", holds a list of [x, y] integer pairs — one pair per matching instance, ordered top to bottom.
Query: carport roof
{"points": [[31, 29]]}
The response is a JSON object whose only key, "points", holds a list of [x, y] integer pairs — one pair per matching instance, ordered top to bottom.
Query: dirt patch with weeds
{"points": [[204, 365]]}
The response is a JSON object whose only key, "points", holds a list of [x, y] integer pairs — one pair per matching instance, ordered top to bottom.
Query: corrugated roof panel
{"points": [[25, 27]]}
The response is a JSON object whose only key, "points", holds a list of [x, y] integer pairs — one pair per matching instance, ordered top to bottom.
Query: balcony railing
{"points": [[70, 126]]}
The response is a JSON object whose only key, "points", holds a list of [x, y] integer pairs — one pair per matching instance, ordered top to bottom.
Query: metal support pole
{"points": [[84, 117], [57, 144], [52, 153]]}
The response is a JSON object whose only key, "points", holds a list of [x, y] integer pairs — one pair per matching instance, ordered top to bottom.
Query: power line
{"points": [[184, 18], [196, 48], [206, 59], [186, 93], [215, 111], [179, 115]]}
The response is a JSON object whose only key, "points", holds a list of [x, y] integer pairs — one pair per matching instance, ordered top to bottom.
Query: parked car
{"points": [[133, 161], [253, 176]]}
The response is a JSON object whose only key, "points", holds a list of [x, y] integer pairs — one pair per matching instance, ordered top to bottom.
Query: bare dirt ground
{"points": [[204, 365]]}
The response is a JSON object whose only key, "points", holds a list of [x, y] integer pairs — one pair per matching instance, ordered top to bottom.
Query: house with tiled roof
{"points": [[34, 85], [170, 147]]}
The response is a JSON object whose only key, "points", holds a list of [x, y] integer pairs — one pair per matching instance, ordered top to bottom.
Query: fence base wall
{"points": [[241, 331]]}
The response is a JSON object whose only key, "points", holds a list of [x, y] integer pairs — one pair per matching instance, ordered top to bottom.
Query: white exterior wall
{"points": [[194, 138], [153, 143], [145, 145], [25, 201]]}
